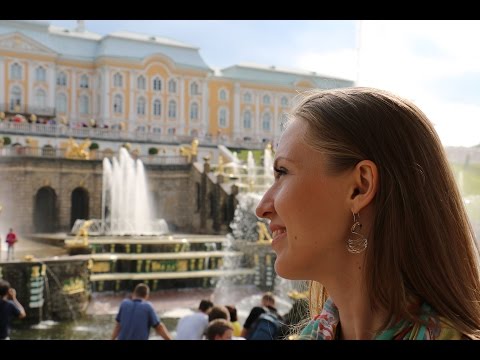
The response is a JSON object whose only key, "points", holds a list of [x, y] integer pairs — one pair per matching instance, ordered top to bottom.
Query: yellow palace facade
{"points": [[148, 87]]}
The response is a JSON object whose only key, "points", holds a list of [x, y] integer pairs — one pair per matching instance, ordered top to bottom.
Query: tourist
{"points": [[365, 206], [11, 239], [267, 307], [10, 308], [136, 316], [193, 326], [237, 327], [219, 329]]}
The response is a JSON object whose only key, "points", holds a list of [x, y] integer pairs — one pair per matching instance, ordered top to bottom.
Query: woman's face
{"points": [[308, 210]]}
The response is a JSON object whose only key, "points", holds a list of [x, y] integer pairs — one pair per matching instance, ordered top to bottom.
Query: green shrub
{"points": [[6, 140], [94, 146], [152, 151]]}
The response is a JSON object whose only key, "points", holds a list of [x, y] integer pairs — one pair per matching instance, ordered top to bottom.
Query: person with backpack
{"points": [[263, 322]]}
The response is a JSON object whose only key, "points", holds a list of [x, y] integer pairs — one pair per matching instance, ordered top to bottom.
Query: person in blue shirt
{"points": [[10, 308], [136, 316]]}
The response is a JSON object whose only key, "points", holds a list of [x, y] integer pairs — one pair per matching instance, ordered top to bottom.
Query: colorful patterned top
{"points": [[324, 326]]}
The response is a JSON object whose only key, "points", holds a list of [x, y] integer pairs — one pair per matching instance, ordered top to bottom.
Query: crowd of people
{"points": [[136, 316]]}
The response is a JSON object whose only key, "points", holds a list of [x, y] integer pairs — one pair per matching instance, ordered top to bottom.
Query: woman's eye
{"points": [[278, 172]]}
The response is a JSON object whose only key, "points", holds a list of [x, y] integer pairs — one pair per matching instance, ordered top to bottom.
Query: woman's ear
{"points": [[365, 185]]}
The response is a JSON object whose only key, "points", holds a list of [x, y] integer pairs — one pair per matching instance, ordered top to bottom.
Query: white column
{"points": [[31, 75], [51, 85], [181, 88], [73, 92], [3, 98], [181, 104], [205, 109], [236, 110], [105, 112], [131, 115], [275, 121], [258, 122]]}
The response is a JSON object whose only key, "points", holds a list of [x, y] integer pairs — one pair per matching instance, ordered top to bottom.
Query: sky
{"points": [[435, 63]]}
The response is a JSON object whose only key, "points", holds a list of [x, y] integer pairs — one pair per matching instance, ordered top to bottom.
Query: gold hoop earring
{"points": [[359, 242]]}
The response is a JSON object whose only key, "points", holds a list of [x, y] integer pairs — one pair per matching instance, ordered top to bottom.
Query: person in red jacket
{"points": [[11, 240]]}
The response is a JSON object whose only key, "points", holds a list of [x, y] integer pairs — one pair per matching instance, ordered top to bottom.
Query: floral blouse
{"points": [[324, 326]]}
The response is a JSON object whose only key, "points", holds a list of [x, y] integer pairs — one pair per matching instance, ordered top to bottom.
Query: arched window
{"points": [[16, 72], [40, 74], [62, 79], [117, 80], [84, 81], [141, 82], [157, 84], [172, 86], [194, 88], [223, 95], [15, 97], [40, 98], [247, 98], [266, 100], [284, 101], [61, 103], [118, 104], [83, 105], [141, 106], [157, 108], [172, 109], [194, 111], [222, 118], [247, 120], [266, 122], [157, 130], [171, 131]]}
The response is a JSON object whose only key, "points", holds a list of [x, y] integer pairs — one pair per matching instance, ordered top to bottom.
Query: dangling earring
{"points": [[359, 242]]}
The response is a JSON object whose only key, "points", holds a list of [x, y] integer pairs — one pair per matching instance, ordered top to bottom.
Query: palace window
{"points": [[16, 72], [40, 74], [62, 79], [118, 80], [84, 81], [141, 83], [157, 84], [172, 86], [61, 103], [118, 104], [84, 105], [141, 106], [157, 108], [172, 109], [194, 111], [247, 120], [266, 122]]}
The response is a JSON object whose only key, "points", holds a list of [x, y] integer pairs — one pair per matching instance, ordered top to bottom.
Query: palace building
{"points": [[141, 88]]}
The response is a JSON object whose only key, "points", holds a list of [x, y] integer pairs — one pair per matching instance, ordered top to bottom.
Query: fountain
{"points": [[126, 206]]}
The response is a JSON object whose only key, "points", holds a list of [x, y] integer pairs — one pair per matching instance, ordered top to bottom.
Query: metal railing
{"points": [[60, 130], [52, 152]]}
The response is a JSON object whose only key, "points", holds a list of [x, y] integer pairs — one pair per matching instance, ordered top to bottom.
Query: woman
{"points": [[365, 205]]}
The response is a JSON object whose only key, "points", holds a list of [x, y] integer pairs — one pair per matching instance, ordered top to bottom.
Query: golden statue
{"points": [[76, 151], [190, 151], [220, 169], [83, 233], [263, 234]]}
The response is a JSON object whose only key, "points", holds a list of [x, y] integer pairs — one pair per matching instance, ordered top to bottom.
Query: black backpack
{"points": [[266, 327]]}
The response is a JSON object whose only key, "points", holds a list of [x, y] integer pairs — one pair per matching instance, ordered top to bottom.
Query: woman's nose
{"points": [[265, 206]]}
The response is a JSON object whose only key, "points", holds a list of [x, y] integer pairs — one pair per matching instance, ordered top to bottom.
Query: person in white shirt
{"points": [[193, 326]]}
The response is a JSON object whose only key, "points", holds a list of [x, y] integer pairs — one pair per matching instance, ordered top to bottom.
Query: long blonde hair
{"points": [[421, 243]]}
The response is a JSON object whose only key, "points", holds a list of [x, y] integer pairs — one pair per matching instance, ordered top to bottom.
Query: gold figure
{"points": [[76, 151], [190, 151], [220, 169], [83, 232], [263, 234]]}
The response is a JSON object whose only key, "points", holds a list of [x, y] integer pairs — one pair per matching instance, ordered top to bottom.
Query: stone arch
{"points": [[79, 205], [45, 213]]}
